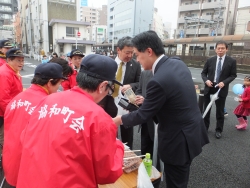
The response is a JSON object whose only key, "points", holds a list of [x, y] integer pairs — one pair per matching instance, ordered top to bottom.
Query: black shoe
{"points": [[218, 134]]}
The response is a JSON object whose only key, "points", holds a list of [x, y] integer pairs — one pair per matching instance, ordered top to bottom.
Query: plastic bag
{"points": [[143, 180]]}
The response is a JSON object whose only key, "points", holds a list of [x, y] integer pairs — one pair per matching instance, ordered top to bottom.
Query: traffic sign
{"points": [[78, 34]]}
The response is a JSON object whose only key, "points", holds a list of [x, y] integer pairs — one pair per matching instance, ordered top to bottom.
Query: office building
{"points": [[7, 9], [89, 14], [103, 15], [128, 18], [200, 18], [40, 23], [157, 24], [242, 25], [99, 33]]}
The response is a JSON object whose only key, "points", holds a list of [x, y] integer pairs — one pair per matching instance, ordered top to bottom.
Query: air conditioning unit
{"points": [[62, 37], [84, 39]]}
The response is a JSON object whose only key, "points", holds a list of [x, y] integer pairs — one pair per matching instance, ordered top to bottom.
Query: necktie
{"points": [[218, 71], [118, 78]]}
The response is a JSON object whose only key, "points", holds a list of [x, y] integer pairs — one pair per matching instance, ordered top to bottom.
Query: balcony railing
{"points": [[5, 1], [212, 5], [189, 7]]}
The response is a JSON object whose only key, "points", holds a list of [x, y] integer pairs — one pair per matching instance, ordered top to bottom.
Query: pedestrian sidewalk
{"points": [[31, 60]]}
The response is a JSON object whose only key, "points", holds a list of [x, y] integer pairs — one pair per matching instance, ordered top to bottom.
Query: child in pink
{"points": [[243, 109]]}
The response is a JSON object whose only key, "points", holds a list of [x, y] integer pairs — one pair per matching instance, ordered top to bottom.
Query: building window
{"points": [[71, 31]]}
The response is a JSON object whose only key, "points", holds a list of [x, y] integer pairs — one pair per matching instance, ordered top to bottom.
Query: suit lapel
{"points": [[163, 59], [224, 64], [128, 71]]}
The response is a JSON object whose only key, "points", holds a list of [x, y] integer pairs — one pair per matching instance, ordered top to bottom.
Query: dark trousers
{"points": [[220, 104], [127, 136], [147, 143], [177, 176]]}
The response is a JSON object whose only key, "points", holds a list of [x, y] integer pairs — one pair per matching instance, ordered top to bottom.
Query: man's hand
{"points": [[209, 83], [221, 85], [125, 87], [139, 99], [118, 120]]}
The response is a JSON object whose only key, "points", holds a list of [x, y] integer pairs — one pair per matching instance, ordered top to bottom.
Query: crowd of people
{"points": [[69, 139]]}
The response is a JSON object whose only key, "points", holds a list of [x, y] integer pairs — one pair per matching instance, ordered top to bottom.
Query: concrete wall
{"points": [[61, 11], [59, 32]]}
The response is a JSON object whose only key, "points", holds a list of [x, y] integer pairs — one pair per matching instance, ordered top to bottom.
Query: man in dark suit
{"points": [[218, 71], [128, 73], [171, 97], [147, 129]]}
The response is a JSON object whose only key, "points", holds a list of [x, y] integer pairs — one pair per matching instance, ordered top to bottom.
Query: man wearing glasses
{"points": [[218, 72], [72, 143]]}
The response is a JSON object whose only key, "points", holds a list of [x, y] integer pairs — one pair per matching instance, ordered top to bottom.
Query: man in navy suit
{"points": [[218, 71], [171, 97]]}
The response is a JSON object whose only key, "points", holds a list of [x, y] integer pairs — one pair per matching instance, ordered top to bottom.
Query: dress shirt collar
{"points": [[222, 58], [118, 61], [156, 62]]}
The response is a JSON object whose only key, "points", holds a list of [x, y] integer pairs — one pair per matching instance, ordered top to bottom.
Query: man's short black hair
{"points": [[148, 39], [221, 42], [43, 81], [86, 82]]}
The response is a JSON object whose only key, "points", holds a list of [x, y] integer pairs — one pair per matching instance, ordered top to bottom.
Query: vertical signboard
{"points": [[84, 3], [100, 30], [213, 32], [181, 34]]}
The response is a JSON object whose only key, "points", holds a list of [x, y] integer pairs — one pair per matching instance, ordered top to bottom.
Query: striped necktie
{"points": [[218, 71], [118, 78]]}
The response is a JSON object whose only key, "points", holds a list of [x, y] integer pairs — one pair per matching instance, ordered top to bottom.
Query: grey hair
{"points": [[124, 41]]}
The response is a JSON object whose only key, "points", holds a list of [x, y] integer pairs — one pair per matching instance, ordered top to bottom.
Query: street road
{"points": [[224, 163]]}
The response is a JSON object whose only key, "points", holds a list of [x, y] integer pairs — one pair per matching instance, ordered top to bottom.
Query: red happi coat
{"points": [[2, 61], [71, 82], [10, 86], [16, 118], [70, 143]]}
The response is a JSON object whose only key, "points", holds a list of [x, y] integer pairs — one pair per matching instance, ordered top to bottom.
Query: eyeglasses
{"points": [[111, 88]]}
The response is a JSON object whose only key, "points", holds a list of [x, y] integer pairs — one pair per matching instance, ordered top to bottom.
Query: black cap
{"points": [[5, 44], [14, 52], [76, 52], [99, 66], [49, 71]]}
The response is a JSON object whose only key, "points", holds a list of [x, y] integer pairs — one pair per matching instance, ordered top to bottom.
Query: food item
{"points": [[130, 164]]}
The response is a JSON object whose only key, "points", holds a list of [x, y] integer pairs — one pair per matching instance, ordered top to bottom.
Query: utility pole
{"points": [[218, 19], [198, 21]]}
